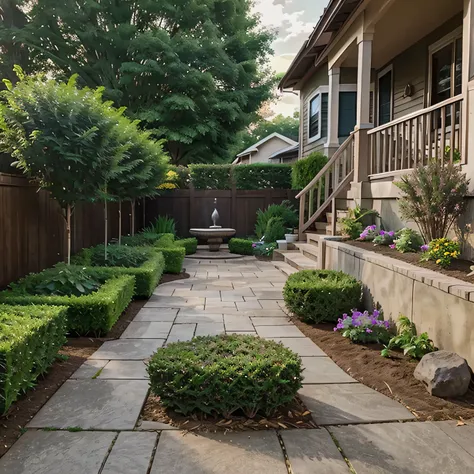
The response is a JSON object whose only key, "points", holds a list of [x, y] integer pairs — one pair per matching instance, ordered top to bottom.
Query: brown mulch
{"points": [[459, 268], [76, 350], [393, 377], [293, 415]]}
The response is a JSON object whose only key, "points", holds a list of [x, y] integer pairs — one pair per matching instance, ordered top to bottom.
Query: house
{"points": [[385, 85], [266, 151]]}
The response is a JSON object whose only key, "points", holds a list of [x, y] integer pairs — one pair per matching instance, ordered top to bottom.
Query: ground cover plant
{"points": [[407, 240], [241, 246], [442, 252], [321, 295], [89, 314], [363, 327], [30, 337], [222, 375]]}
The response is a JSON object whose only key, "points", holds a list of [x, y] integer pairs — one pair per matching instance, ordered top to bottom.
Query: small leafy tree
{"points": [[61, 136], [433, 198]]}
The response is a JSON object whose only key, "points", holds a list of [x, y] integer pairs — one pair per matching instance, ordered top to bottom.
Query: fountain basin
{"points": [[213, 235]]}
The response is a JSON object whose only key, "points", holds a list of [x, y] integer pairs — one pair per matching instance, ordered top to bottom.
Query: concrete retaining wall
{"points": [[440, 305]]}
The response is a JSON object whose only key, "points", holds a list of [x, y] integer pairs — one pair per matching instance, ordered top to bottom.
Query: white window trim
{"points": [[435, 47], [319, 91], [376, 114]]}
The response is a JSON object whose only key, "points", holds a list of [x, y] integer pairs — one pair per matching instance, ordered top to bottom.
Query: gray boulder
{"points": [[445, 374]]}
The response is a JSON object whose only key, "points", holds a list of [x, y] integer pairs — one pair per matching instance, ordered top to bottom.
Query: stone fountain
{"points": [[214, 234]]}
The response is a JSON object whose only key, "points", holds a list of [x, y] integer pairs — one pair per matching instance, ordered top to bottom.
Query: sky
{"points": [[293, 20]]}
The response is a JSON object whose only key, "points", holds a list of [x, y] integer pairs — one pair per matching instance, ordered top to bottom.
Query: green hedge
{"points": [[306, 169], [211, 176], [262, 176], [140, 240], [190, 245], [241, 246], [172, 252], [147, 276], [321, 295], [93, 314], [30, 337], [222, 374]]}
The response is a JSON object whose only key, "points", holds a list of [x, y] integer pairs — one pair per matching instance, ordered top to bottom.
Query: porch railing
{"points": [[410, 141], [327, 184]]}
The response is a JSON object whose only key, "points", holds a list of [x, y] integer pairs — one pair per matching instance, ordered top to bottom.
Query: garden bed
{"points": [[459, 268], [391, 377], [293, 415]]}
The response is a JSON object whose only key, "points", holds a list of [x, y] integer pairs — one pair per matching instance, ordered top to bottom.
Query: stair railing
{"points": [[325, 187]]}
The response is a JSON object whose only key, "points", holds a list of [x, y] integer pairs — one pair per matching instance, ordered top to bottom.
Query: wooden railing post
{"points": [[361, 155], [302, 218]]}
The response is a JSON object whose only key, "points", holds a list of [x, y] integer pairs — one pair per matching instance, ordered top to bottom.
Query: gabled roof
{"points": [[254, 148], [290, 149]]}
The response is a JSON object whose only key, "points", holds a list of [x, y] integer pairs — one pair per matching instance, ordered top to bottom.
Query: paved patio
{"points": [[91, 424]]}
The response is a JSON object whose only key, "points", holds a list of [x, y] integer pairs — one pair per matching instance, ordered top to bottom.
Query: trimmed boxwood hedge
{"points": [[211, 176], [262, 176], [142, 239], [190, 245], [241, 246], [172, 252], [147, 276], [321, 295], [92, 314], [30, 337], [222, 374]]}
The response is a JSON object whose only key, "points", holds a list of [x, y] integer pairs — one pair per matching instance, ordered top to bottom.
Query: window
{"points": [[446, 68], [384, 112], [347, 113], [315, 117]]}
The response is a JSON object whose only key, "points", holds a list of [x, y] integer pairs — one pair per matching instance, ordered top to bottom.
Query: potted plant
{"points": [[291, 237]]}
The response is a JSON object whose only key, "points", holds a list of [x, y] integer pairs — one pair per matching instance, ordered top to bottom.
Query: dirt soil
{"points": [[459, 268], [392, 377], [293, 415]]}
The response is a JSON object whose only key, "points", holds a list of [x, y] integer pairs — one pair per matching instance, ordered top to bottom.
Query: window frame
{"points": [[450, 38], [318, 92], [376, 115]]}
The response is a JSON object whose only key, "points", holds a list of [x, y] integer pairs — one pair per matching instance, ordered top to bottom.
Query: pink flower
{"points": [[393, 246]]}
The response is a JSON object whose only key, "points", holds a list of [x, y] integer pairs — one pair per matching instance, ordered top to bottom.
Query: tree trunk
{"points": [[132, 204], [120, 222], [105, 229], [68, 231]]}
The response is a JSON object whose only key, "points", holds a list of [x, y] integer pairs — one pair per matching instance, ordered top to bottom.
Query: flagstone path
{"points": [[90, 426]]}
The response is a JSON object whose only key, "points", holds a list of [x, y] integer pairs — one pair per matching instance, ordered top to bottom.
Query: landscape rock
{"points": [[445, 374]]}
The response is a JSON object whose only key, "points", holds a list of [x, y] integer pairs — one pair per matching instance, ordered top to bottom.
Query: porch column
{"points": [[468, 87], [333, 109], [361, 146]]}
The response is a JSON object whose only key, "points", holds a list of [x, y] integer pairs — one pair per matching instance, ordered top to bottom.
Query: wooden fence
{"points": [[193, 208]]}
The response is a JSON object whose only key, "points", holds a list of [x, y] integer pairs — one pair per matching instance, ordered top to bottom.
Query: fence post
{"points": [[191, 204], [233, 206]]}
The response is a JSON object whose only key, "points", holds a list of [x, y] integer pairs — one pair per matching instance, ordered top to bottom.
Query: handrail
{"points": [[416, 114], [327, 166]]}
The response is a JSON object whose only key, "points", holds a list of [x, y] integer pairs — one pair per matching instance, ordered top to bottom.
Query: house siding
{"points": [[411, 67], [267, 149]]}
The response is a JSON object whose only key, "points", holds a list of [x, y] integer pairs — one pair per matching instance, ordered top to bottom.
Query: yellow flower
{"points": [[172, 175], [167, 186], [446, 244], [446, 253], [454, 254], [439, 260]]}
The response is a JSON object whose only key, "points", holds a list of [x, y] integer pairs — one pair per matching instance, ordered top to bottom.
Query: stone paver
{"points": [[174, 302], [156, 314], [199, 318], [271, 321], [237, 323], [209, 329], [147, 330], [279, 331], [181, 332], [303, 346], [128, 349], [89, 368], [124, 370], [322, 370], [93, 404], [334, 404], [463, 435], [401, 448], [313, 451], [57, 452], [131, 453], [233, 453]]}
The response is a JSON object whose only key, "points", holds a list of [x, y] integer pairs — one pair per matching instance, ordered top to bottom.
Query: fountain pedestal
{"points": [[213, 235]]}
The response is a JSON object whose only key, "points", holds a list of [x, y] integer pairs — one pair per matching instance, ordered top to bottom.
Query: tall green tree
{"points": [[193, 71]]}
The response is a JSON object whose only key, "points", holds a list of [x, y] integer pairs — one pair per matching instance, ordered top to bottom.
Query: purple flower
{"points": [[382, 232], [391, 233], [254, 245], [393, 246], [424, 248], [335, 329], [368, 330]]}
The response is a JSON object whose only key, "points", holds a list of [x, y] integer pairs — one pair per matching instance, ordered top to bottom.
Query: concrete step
{"points": [[321, 226], [313, 238], [309, 250], [279, 255], [299, 261], [285, 268]]}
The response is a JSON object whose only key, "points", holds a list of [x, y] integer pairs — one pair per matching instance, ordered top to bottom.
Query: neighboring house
{"points": [[397, 78], [262, 151], [286, 155]]}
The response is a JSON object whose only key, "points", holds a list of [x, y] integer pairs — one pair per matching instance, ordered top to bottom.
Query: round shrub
{"points": [[241, 246], [321, 295], [221, 375]]}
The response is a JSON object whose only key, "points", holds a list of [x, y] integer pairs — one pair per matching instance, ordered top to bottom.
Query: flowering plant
{"points": [[369, 233], [385, 238], [407, 240], [264, 250], [442, 252], [363, 328]]}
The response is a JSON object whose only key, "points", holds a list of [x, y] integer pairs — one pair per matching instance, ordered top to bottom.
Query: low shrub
{"points": [[306, 169], [211, 176], [262, 176], [285, 210], [275, 230], [140, 240], [407, 240], [190, 245], [241, 246], [264, 249], [172, 252], [442, 252], [119, 256], [321, 295], [92, 314], [363, 328], [30, 337], [407, 340], [221, 375]]}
